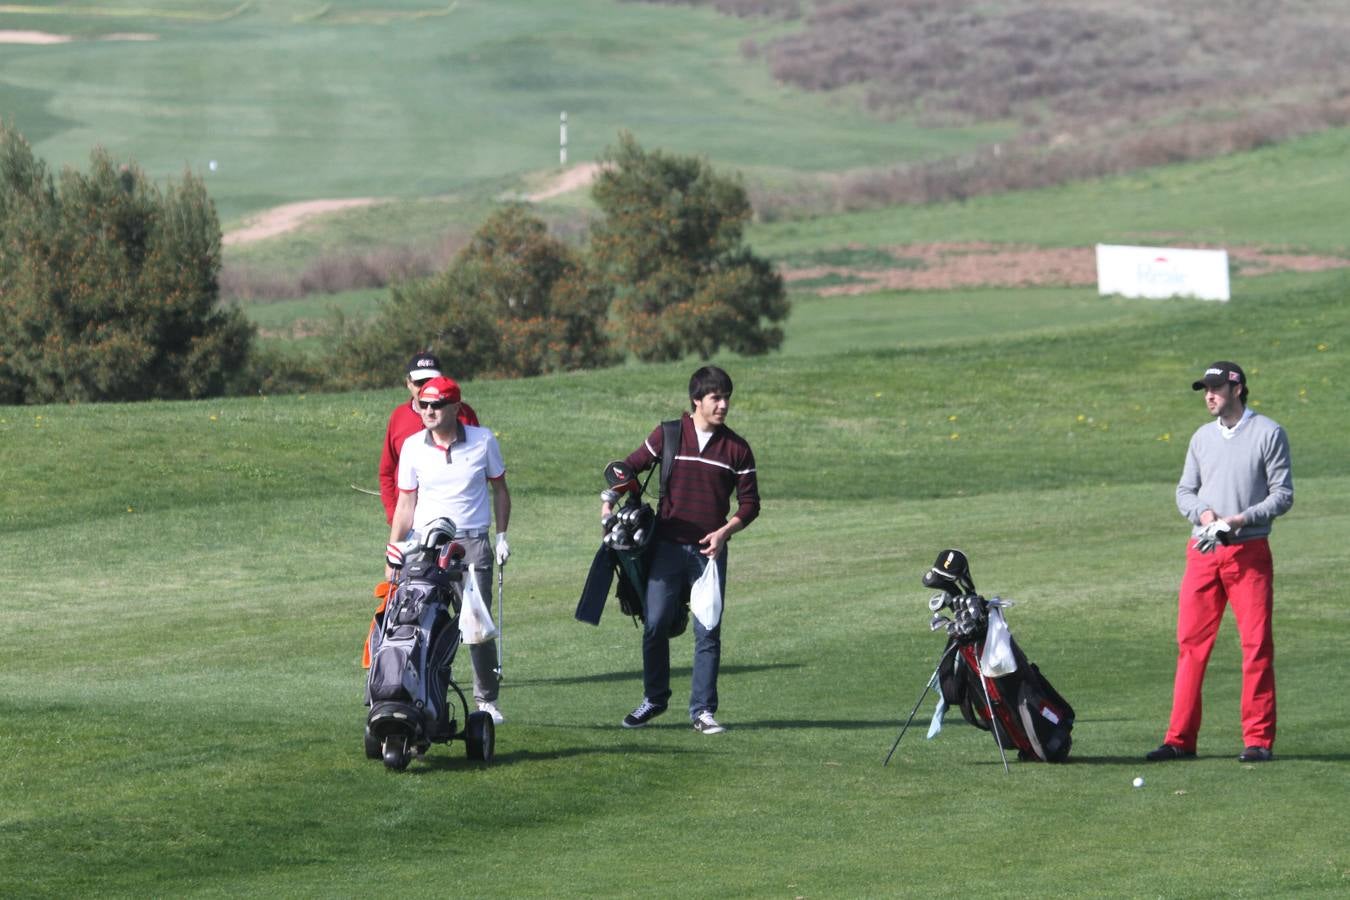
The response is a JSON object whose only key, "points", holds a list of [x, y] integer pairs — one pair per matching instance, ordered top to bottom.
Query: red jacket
{"points": [[403, 423]]}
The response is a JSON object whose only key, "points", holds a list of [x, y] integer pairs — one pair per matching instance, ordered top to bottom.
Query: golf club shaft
{"points": [[501, 634]]}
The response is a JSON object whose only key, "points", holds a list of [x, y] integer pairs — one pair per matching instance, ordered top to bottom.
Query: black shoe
{"points": [[646, 711], [1168, 752], [1256, 754]]}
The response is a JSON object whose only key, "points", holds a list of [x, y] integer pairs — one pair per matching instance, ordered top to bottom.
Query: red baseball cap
{"points": [[439, 388]]}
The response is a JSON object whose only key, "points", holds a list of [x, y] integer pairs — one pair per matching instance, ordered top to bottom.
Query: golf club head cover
{"points": [[620, 477], [439, 533], [451, 552], [951, 573]]}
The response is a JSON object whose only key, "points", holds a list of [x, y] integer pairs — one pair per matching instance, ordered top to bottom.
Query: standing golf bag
{"points": [[413, 640], [984, 672], [1022, 709]]}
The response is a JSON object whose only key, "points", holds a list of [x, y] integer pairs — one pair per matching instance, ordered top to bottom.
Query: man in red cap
{"points": [[405, 421], [455, 470], [1237, 479]]}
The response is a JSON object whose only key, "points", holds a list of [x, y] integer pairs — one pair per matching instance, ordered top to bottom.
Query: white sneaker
{"points": [[491, 709], [704, 723]]}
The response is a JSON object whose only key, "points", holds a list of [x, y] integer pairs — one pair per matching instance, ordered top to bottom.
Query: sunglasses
{"points": [[433, 404]]}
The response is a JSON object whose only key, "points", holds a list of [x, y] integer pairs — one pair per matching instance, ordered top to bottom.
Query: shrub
{"points": [[670, 248], [108, 286], [514, 302]]}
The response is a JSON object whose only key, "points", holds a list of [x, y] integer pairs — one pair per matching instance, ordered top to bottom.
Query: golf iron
{"points": [[501, 634]]}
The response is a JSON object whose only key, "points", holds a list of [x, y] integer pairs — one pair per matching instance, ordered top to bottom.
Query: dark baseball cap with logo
{"points": [[424, 366], [1218, 374]]}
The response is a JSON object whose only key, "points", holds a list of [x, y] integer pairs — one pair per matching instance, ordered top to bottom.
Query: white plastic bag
{"points": [[705, 597], [475, 621], [997, 659]]}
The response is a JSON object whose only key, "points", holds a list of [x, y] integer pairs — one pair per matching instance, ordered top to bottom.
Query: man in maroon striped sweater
{"points": [[692, 530]]}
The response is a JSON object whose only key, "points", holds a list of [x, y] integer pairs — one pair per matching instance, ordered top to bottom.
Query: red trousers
{"points": [[1240, 575]]}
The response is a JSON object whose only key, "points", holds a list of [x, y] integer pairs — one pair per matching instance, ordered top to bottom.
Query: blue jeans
{"points": [[674, 568]]}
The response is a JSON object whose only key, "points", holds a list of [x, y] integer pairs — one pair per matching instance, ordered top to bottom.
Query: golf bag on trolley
{"points": [[412, 644], [986, 674]]}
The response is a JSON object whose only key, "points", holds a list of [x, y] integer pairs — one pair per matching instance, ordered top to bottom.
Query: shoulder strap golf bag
{"points": [[629, 539]]}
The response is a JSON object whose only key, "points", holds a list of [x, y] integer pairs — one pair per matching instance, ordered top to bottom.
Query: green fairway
{"points": [[297, 99], [191, 585]]}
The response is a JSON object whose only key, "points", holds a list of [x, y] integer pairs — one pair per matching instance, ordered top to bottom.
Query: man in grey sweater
{"points": [[1236, 480]]}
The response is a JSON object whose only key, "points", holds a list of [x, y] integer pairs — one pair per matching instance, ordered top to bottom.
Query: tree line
{"points": [[109, 287]]}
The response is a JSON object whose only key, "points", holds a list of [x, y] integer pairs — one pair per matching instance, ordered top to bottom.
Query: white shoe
{"points": [[491, 709], [704, 723]]}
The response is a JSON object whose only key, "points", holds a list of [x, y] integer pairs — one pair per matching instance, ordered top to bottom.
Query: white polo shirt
{"points": [[457, 488]]}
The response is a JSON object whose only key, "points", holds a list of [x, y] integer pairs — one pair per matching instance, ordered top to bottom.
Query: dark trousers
{"points": [[674, 567]]}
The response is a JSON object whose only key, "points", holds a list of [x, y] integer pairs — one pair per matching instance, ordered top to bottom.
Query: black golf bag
{"points": [[628, 542], [413, 641], [1020, 707]]}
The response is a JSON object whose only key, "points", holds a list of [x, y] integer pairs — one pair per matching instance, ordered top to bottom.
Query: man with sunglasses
{"points": [[405, 421], [455, 470]]}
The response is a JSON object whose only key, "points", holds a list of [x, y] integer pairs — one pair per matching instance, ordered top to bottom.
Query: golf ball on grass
{"points": [[1139, 782]]}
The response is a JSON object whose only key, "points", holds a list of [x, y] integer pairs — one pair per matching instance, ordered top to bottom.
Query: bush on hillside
{"points": [[670, 248], [108, 286], [514, 302]]}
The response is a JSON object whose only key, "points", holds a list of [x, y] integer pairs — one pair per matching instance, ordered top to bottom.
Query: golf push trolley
{"points": [[413, 640]]}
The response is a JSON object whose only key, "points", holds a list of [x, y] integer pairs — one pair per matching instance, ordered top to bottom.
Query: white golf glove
{"points": [[1214, 533], [503, 549], [393, 556]]}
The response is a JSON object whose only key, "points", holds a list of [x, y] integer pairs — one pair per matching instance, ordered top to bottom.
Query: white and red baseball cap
{"points": [[441, 389]]}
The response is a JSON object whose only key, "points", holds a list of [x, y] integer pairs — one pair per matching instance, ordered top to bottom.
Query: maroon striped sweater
{"points": [[701, 484]]}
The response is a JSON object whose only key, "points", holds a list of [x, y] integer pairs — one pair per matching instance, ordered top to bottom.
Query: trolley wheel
{"points": [[480, 737], [373, 749], [396, 754]]}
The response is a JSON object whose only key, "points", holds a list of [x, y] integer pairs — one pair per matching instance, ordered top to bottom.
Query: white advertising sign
{"points": [[1159, 272]]}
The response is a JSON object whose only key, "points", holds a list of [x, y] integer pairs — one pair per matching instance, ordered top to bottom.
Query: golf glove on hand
{"points": [[1214, 533], [503, 549], [393, 555]]}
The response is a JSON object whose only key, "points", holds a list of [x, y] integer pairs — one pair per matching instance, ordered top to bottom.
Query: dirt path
{"points": [[33, 37], [46, 37], [573, 179], [282, 219], [944, 266]]}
